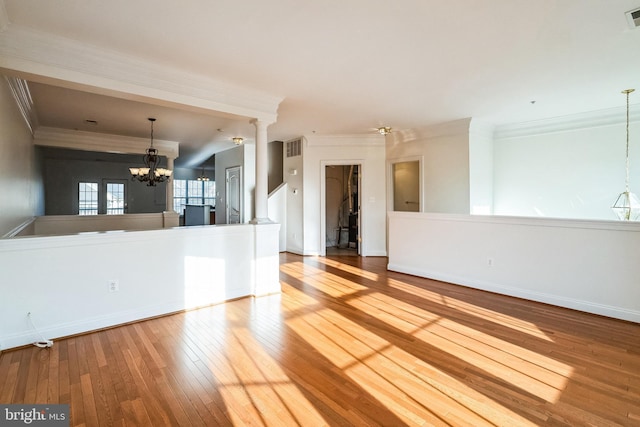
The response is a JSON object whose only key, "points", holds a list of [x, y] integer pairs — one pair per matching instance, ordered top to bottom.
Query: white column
{"points": [[262, 173], [169, 186]]}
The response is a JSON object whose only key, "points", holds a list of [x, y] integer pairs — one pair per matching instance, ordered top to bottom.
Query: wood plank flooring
{"points": [[346, 343]]}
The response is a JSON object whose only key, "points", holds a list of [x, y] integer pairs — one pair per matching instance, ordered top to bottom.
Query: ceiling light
{"points": [[386, 130], [237, 140], [151, 173], [203, 177], [627, 205]]}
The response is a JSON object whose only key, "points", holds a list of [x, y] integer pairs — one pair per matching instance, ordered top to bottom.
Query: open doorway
{"points": [[342, 209]]}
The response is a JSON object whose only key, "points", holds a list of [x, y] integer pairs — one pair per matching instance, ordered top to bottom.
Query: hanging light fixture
{"points": [[386, 130], [237, 140], [151, 173], [203, 177], [627, 205]]}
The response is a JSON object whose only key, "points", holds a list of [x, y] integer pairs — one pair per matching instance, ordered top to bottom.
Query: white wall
{"points": [[444, 150], [367, 151], [481, 168], [566, 174], [294, 176], [20, 182], [585, 265], [63, 280]]}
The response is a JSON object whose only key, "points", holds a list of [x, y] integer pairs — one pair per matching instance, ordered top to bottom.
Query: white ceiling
{"points": [[349, 66]]}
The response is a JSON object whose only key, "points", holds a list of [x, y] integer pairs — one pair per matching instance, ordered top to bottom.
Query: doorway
{"points": [[406, 186], [234, 194], [342, 209]]}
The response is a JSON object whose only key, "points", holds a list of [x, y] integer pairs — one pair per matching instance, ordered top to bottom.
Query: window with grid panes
{"points": [[193, 192], [88, 198], [115, 198]]}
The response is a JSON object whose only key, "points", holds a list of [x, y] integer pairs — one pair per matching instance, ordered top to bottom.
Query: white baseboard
{"points": [[377, 253], [557, 300], [99, 322]]}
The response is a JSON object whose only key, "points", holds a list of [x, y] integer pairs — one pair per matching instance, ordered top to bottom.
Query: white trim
{"points": [[51, 59], [22, 96], [589, 119], [455, 127], [341, 140], [102, 142], [390, 192], [323, 201], [626, 226], [18, 229], [376, 253], [572, 303]]}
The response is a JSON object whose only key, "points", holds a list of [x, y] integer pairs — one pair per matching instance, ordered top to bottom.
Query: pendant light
{"points": [[151, 173], [627, 205]]}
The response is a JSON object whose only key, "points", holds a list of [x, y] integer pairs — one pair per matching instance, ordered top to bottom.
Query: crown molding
{"points": [[57, 60], [22, 96], [590, 119], [481, 128], [444, 129], [364, 140], [101, 142]]}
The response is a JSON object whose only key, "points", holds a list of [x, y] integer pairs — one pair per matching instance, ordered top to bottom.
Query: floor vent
{"points": [[633, 17], [294, 147]]}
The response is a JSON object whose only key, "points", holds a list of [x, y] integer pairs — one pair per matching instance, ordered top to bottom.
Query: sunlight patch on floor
{"points": [[349, 269], [465, 307], [370, 361], [537, 374], [260, 384]]}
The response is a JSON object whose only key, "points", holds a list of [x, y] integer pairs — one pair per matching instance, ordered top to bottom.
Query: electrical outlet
{"points": [[490, 262], [114, 286]]}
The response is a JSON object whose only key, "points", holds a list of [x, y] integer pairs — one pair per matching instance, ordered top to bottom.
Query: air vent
{"points": [[633, 18], [294, 147]]}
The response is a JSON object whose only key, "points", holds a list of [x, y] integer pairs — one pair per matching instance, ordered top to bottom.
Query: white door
{"points": [[234, 195]]}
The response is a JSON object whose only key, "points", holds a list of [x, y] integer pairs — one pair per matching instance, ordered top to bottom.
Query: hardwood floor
{"points": [[346, 343]]}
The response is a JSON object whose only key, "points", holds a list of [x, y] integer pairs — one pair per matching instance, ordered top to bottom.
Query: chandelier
{"points": [[386, 130], [151, 173], [203, 177], [627, 205]]}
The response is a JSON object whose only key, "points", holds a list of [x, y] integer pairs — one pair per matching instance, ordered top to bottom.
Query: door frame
{"points": [[390, 189], [240, 193], [323, 201]]}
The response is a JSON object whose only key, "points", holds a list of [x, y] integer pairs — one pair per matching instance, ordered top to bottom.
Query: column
{"points": [[262, 173], [169, 187]]}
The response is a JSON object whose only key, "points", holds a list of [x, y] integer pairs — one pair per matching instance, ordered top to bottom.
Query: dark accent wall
{"points": [[64, 169]]}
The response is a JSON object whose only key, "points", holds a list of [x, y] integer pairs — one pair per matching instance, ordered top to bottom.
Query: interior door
{"points": [[234, 194]]}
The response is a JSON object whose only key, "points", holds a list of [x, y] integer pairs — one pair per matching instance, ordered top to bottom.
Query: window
{"points": [[193, 192], [88, 198], [115, 198]]}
